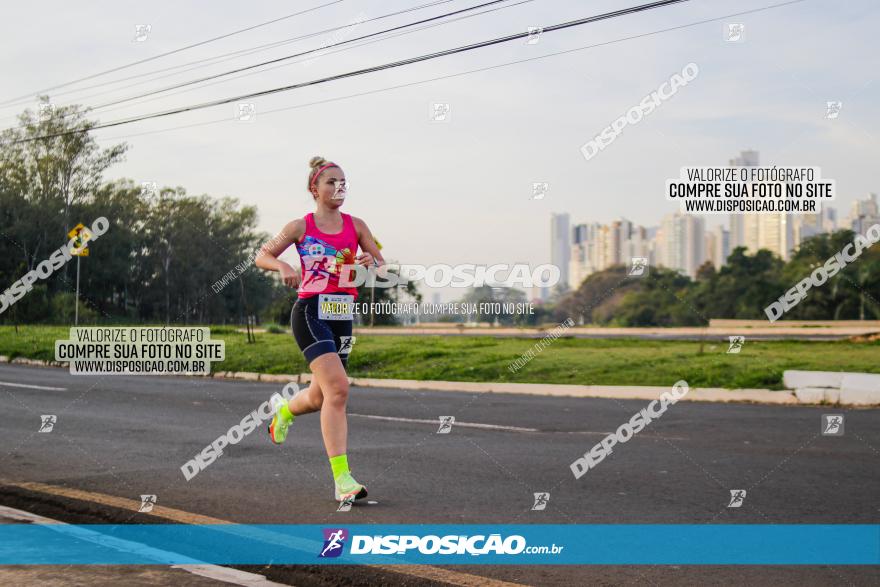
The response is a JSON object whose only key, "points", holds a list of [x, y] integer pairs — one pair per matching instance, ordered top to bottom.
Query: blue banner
{"points": [[523, 544]]}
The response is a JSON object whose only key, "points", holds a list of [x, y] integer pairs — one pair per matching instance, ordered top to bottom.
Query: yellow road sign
{"points": [[80, 235]]}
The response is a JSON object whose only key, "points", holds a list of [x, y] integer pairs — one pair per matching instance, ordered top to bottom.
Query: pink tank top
{"points": [[322, 256]]}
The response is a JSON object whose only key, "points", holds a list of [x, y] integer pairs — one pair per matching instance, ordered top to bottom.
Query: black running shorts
{"points": [[315, 336]]}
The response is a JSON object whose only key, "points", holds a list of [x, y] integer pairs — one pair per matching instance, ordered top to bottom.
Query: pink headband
{"points": [[312, 184]]}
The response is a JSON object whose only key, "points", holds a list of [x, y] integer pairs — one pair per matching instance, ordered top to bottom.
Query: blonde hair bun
{"points": [[317, 161]]}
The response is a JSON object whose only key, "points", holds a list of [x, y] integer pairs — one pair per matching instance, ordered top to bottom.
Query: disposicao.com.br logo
{"points": [[334, 542], [450, 544]]}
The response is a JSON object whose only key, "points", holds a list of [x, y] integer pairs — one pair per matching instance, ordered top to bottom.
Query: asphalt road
{"points": [[127, 435]]}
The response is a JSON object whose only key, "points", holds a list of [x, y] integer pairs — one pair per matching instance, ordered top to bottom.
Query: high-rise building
{"points": [[747, 158], [864, 214], [807, 225], [744, 227], [737, 231], [771, 231], [617, 233], [579, 234], [776, 234], [710, 240], [681, 242], [560, 245], [637, 245], [724, 245], [718, 246], [596, 247], [603, 247], [696, 251], [583, 253], [587, 255], [578, 267], [544, 293]]}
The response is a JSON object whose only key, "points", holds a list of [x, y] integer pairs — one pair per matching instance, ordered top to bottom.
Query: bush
{"points": [[32, 308], [63, 309]]}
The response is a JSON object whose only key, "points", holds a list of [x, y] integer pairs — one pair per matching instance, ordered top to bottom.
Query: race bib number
{"points": [[335, 306]]}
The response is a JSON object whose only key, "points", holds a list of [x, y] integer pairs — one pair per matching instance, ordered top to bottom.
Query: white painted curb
{"points": [[850, 389]]}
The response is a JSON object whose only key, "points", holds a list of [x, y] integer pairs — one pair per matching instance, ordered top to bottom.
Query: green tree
{"points": [[52, 164], [742, 288], [848, 294], [661, 299], [595, 301]]}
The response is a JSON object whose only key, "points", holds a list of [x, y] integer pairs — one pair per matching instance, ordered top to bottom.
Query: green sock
{"points": [[286, 413], [339, 464]]}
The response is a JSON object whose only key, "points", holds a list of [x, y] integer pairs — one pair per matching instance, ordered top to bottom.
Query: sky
{"points": [[460, 191]]}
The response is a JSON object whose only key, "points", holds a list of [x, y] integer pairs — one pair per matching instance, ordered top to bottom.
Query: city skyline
{"points": [[682, 241]]}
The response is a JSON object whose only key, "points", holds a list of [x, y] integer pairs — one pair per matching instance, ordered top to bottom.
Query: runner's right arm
{"points": [[267, 258]]}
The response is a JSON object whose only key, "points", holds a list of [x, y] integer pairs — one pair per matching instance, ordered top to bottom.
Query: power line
{"points": [[340, 50], [300, 54], [153, 58], [220, 58], [391, 65], [463, 73]]}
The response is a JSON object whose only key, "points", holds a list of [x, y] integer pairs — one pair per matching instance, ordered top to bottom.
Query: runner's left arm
{"points": [[367, 243]]}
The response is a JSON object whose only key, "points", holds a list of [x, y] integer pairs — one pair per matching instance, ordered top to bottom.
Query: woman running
{"points": [[321, 318]]}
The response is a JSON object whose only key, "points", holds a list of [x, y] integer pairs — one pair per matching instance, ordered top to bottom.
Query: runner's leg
{"points": [[319, 341], [333, 382], [310, 399], [307, 400]]}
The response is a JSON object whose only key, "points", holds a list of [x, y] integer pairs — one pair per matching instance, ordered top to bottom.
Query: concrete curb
{"points": [[709, 333], [547, 389], [854, 389], [595, 391], [814, 395]]}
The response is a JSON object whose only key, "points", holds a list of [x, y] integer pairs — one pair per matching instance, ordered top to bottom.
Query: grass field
{"points": [[565, 360]]}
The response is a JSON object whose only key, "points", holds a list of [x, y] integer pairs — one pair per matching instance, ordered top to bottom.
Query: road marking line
{"points": [[9, 384], [437, 421], [508, 428], [645, 436], [184, 517], [230, 575]]}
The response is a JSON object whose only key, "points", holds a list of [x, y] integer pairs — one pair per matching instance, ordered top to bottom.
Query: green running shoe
{"points": [[280, 421], [347, 487]]}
